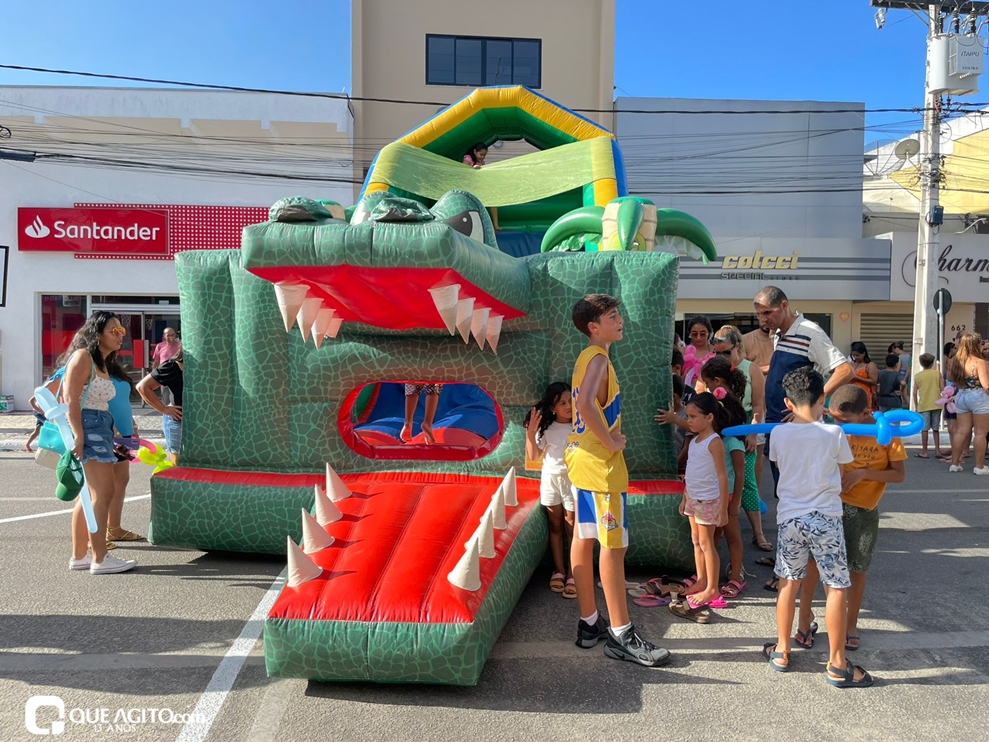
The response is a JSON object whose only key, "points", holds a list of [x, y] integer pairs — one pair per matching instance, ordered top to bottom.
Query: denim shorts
{"points": [[975, 401], [932, 419], [97, 427], [173, 434]]}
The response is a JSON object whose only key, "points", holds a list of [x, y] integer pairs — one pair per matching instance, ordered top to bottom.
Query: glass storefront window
{"points": [[158, 300], [61, 316]]}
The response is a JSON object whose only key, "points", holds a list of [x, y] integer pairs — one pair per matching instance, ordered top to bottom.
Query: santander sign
{"points": [[97, 231]]}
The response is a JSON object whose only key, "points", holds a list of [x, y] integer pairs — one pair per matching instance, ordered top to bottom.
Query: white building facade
{"points": [[778, 184], [102, 186]]}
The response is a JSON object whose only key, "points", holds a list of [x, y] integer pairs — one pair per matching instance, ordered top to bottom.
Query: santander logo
{"points": [[37, 229], [93, 230]]}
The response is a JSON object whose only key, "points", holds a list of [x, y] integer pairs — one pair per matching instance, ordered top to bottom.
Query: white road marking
{"points": [[934, 491], [61, 512], [211, 701], [274, 704]]}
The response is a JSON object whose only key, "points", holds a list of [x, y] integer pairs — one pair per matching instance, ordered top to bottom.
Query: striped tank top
{"points": [[591, 466]]}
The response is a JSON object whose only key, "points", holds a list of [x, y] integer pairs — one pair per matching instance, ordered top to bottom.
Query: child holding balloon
{"points": [[862, 484]]}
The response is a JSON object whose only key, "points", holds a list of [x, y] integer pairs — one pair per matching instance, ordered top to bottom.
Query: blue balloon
{"points": [[914, 422], [888, 425], [757, 428], [884, 433], [762, 507]]}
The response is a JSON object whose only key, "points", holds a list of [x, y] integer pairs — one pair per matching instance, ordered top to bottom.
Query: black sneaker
{"points": [[589, 635], [636, 649]]}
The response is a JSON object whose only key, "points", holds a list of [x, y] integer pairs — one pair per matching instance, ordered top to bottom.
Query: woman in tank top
{"points": [[728, 343], [970, 373], [87, 390]]}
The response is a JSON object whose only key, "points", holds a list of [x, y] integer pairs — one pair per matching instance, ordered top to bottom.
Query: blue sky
{"points": [[775, 50]]}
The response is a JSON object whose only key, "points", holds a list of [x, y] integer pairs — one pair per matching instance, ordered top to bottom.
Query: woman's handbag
{"points": [[50, 438]]}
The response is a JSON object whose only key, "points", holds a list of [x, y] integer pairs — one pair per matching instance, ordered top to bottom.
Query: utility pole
{"points": [[954, 72], [925, 321]]}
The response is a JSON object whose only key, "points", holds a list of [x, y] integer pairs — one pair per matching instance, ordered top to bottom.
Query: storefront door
{"points": [[145, 326]]}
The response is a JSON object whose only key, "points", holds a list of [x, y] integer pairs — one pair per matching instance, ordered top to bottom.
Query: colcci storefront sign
{"points": [[759, 262], [826, 268]]}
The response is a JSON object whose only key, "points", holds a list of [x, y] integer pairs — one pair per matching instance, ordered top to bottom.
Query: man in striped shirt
{"points": [[799, 343]]}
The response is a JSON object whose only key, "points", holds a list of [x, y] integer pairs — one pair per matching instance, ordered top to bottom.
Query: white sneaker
{"points": [[955, 467], [983, 472], [83, 563], [111, 565]]}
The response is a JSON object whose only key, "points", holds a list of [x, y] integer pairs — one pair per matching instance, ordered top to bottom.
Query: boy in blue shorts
{"points": [[808, 454], [599, 476]]}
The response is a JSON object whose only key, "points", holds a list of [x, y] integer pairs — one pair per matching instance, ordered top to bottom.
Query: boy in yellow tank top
{"points": [[597, 470]]}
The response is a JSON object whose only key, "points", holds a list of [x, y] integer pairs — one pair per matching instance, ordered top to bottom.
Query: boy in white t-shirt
{"points": [[808, 454]]}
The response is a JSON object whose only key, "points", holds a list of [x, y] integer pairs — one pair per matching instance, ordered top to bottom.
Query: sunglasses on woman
{"points": [[121, 331]]}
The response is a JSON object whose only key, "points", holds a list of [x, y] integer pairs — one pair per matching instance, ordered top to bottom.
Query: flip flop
{"points": [[921, 456], [762, 545], [766, 561], [556, 582], [628, 585], [773, 585], [570, 589], [733, 589], [652, 601], [715, 602], [699, 614], [806, 638], [849, 647], [769, 653], [847, 679]]}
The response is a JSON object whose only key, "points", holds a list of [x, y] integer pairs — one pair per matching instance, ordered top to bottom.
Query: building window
{"points": [[473, 60], [61, 316]]}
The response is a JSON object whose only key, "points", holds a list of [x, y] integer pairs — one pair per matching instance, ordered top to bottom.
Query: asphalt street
{"points": [[156, 639]]}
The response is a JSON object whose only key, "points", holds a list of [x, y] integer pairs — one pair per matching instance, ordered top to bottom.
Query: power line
{"points": [[398, 101]]}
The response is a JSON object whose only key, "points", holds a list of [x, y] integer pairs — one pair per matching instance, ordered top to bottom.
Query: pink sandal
{"points": [[733, 589], [652, 601], [718, 602]]}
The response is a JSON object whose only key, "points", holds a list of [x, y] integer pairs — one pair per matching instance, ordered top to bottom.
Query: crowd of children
{"points": [[826, 514]]}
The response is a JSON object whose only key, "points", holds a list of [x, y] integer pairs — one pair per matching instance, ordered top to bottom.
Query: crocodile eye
{"points": [[469, 224]]}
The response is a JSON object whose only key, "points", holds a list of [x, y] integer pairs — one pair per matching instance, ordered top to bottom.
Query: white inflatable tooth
{"points": [[289, 297], [445, 299], [307, 315], [465, 315], [320, 325], [479, 325], [334, 327], [494, 331], [508, 487], [336, 490], [497, 509], [326, 511], [484, 535], [314, 538], [301, 568], [467, 573]]}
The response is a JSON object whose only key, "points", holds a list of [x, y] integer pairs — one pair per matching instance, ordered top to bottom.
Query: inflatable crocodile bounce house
{"points": [[417, 543]]}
